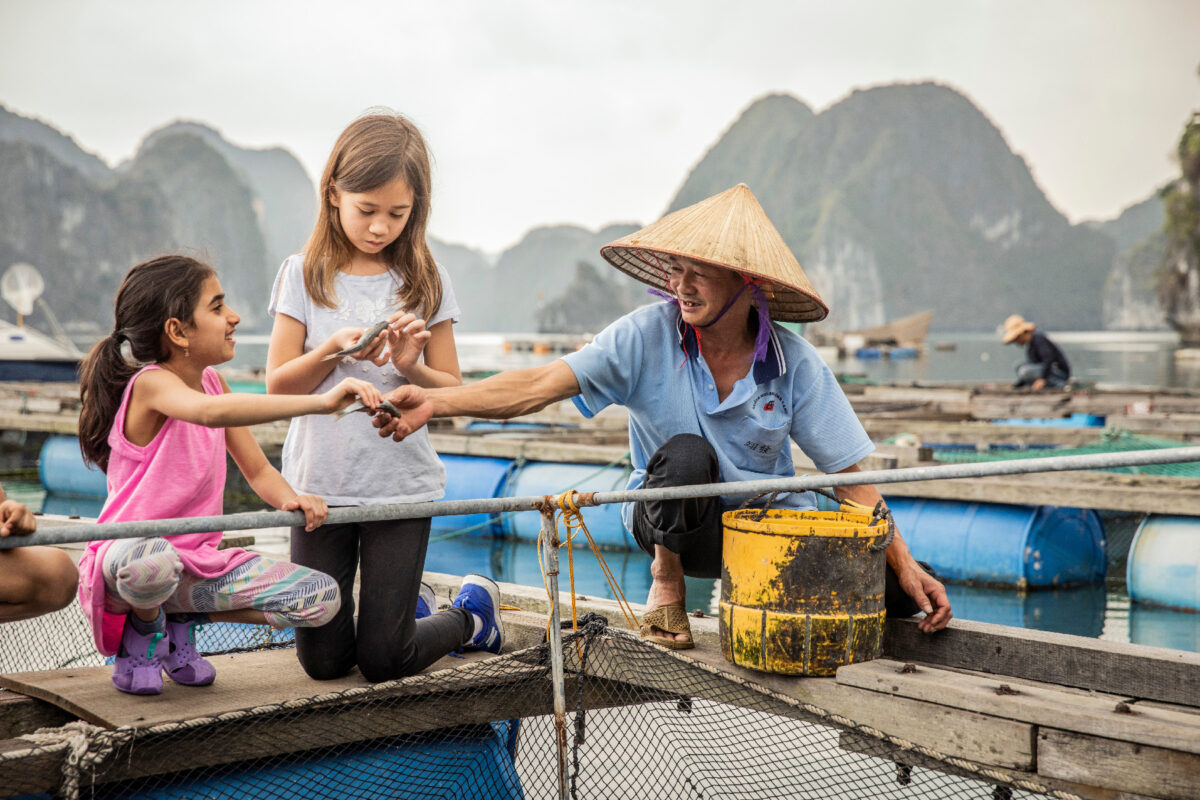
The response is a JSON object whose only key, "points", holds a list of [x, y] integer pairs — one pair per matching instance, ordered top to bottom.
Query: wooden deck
{"points": [[1099, 719]]}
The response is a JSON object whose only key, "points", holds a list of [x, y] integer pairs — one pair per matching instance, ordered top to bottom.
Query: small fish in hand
{"points": [[363, 341], [385, 405]]}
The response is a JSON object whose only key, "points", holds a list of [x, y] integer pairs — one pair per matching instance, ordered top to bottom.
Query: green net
{"points": [[1113, 441]]}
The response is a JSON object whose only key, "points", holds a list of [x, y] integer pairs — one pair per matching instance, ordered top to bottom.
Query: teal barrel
{"points": [[61, 469], [546, 477], [473, 478], [1003, 545], [1164, 562]]}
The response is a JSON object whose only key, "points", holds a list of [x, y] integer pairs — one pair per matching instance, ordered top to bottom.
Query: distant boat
{"points": [[907, 331], [900, 338], [27, 355]]}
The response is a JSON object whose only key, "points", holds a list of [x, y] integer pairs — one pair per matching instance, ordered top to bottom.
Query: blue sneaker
{"points": [[481, 596], [426, 601]]}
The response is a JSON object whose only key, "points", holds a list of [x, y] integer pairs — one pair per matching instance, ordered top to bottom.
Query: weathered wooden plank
{"points": [[980, 434], [531, 448], [1152, 673], [244, 680], [1041, 704], [20, 715], [954, 732], [868, 745], [26, 769], [1152, 771]]}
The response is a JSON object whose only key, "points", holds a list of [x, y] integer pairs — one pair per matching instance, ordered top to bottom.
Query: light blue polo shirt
{"points": [[649, 361]]}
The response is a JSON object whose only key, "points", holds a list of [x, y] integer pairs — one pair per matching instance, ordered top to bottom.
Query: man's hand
{"points": [[415, 412], [930, 595]]}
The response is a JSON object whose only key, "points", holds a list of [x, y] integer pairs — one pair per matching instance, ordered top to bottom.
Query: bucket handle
{"points": [[762, 512], [880, 512]]}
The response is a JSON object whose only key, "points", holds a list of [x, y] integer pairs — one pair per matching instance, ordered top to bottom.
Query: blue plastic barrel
{"points": [[61, 469], [544, 477], [470, 478], [1003, 545], [1164, 562]]}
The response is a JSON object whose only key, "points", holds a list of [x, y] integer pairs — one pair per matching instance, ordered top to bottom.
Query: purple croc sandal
{"points": [[183, 662], [138, 666]]}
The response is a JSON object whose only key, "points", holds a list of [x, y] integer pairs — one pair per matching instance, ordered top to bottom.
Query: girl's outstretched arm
{"points": [[427, 358], [290, 370], [161, 393], [268, 483]]}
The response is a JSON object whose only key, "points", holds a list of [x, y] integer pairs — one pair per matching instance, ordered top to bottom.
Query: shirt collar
{"points": [[773, 367]]}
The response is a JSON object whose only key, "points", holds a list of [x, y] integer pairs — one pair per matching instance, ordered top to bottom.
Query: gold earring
{"points": [[187, 353]]}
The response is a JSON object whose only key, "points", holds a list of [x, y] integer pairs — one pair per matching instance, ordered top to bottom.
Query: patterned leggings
{"points": [[146, 573]]}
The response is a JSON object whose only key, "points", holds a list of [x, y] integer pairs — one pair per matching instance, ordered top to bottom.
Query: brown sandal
{"points": [[672, 619]]}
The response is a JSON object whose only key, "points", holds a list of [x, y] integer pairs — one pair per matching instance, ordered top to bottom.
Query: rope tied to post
{"points": [[572, 518]]}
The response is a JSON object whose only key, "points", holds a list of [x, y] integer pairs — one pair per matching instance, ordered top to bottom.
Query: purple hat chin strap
{"points": [[764, 319], [764, 323]]}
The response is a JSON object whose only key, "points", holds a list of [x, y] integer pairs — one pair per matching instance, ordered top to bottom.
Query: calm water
{"points": [[1104, 358]]}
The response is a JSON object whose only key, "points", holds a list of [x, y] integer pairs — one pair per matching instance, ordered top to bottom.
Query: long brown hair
{"points": [[373, 151], [153, 292]]}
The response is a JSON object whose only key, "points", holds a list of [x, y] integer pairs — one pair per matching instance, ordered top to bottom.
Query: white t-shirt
{"points": [[344, 460]]}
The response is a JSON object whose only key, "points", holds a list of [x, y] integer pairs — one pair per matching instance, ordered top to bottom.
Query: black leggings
{"points": [[692, 528], [390, 642]]}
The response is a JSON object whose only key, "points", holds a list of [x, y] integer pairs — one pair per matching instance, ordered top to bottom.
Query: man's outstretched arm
{"points": [[502, 396]]}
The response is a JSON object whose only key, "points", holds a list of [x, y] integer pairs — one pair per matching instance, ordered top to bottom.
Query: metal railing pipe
{"points": [[269, 519]]}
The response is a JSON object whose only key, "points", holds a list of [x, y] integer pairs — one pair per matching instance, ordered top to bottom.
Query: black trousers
{"points": [[692, 528], [389, 641]]}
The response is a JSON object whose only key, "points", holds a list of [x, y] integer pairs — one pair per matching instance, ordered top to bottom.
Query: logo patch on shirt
{"points": [[771, 404]]}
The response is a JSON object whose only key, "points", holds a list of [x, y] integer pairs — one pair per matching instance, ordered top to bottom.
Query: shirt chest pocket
{"points": [[758, 446]]}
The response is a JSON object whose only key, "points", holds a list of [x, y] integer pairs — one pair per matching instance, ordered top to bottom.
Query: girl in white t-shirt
{"points": [[367, 262]]}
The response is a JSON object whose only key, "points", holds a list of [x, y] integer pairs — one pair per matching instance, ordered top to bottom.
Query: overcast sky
{"points": [[590, 113]]}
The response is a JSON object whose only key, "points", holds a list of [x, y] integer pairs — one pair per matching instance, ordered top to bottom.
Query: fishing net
{"points": [[1113, 441], [641, 722]]}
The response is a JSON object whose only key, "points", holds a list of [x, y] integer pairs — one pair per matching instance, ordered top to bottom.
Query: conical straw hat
{"points": [[728, 230]]}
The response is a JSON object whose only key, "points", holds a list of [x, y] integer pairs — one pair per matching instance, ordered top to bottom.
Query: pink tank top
{"points": [[180, 473]]}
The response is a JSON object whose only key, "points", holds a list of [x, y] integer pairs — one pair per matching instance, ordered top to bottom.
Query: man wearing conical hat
{"points": [[1045, 365], [715, 393]]}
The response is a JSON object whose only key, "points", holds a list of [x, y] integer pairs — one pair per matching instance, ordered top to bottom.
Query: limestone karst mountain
{"points": [[906, 197], [896, 199], [83, 224]]}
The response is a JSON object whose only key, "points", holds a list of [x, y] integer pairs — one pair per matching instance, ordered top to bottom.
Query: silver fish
{"points": [[363, 341], [358, 405]]}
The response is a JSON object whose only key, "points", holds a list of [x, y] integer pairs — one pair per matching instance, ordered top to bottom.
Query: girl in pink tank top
{"points": [[160, 430]]}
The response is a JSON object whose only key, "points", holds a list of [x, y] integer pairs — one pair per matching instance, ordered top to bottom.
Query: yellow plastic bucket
{"points": [[802, 591]]}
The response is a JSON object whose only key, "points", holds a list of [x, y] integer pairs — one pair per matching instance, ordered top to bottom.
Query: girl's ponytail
{"points": [[102, 379]]}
